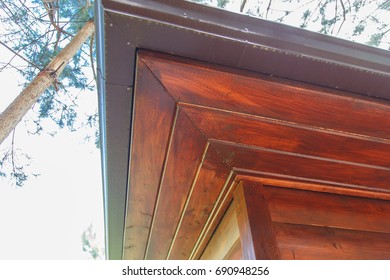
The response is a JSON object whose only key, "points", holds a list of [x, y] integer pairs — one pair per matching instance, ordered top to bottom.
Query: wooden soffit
{"points": [[219, 37], [199, 130]]}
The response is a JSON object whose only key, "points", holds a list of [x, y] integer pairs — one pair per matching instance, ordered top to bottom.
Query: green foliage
{"points": [[222, 3], [385, 5], [364, 21], [359, 29], [38, 32], [375, 39], [93, 122], [17, 162], [90, 245]]}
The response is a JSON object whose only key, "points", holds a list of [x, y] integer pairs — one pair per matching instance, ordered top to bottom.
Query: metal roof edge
{"points": [[256, 31], [113, 244]]}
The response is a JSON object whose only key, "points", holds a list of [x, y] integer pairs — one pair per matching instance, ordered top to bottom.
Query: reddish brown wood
{"points": [[239, 91], [153, 118], [257, 129], [288, 137], [182, 161], [266, 161], [304, 184], [206, 189], [321, 209], [215, 217], [254, 222], [313, 242]]}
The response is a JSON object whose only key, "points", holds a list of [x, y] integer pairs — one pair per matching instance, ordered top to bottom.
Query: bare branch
{"points": [[243, 3], [268, 8], [51, 11], [311, 15], [344, 15], [335, 16], [19, 55], [7, 64], [12, 151]]}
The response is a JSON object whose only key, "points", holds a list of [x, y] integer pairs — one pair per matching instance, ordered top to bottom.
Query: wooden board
{"points": [[200, 130], [145, 168], [331, 210], [254, 222], [225, 241], [312, 242]]}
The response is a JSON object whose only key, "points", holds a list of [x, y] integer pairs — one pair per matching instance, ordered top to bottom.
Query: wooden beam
{"points": [[254, 222], [224, 237]]}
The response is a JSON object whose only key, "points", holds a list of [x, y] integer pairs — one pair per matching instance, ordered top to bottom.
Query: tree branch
{"points": [[243, 3], [268, 8], [50, 9], [344, 15], [335, 16], [17, 54], [91, 55], [7, 64], [13, 114], [12, 151]]}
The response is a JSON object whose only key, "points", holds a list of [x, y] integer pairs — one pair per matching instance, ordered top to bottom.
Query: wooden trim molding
{"points": [[254, 220]]}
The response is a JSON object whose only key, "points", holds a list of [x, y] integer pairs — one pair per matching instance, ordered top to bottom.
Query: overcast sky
{"points": [[46, 217]]}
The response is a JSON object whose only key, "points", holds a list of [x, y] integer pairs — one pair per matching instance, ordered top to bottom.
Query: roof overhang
{"points": [[219, 37]]}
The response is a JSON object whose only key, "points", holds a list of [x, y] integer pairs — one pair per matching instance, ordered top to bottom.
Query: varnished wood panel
{"points": [[242, 92], [153, 115], [200, 129], [289, 137], [183, 158], [270, 161], [209, 182], [309, 185], [219, 209], [321, 209], [254, 222], [224, 238], [313, 242]]}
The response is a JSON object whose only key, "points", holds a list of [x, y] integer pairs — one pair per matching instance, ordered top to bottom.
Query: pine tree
{"points": [[39, 33], [48, 76]]}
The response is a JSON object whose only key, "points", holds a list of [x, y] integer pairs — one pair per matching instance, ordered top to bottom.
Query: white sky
{"points": [[278, 8], [46, 217]]}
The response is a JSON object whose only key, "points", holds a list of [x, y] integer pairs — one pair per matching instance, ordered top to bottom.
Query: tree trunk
{"points": [[48, 76]]}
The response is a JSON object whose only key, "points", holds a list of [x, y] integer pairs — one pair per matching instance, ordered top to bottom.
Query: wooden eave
{"points": [[221, 38]]}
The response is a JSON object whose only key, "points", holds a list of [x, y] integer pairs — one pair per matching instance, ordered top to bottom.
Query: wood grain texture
{"points": [[211, 86], [153, 115], [199, 130], [268, 133], [183, 158], [270, 161], [213, 174], [305, 184], [321, 209], [216, 214], [254, 222], [224, 238], [312, 242]]}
